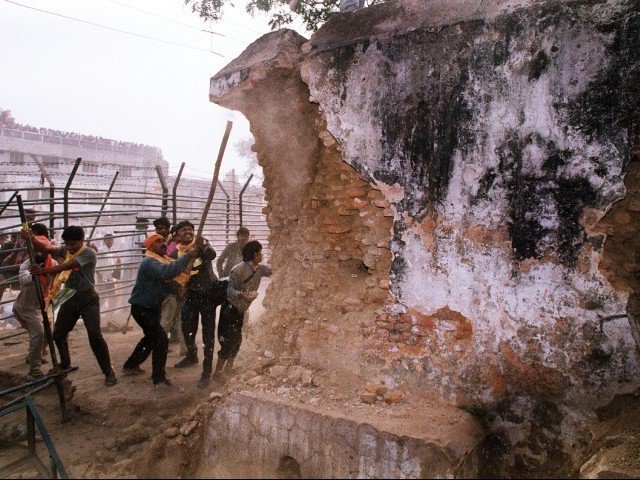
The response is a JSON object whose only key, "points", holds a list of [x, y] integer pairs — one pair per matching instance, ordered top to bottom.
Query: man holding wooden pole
{"points": [[208, 293]]}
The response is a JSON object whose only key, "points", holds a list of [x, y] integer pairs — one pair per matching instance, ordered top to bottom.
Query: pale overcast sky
{"points": [[64, 75]]}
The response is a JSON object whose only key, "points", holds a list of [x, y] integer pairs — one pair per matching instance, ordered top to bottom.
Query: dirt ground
{"points": [[110, 427], [134, 430]]}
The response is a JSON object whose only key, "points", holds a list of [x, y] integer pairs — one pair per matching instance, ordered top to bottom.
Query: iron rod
{"points": [[52, 191], [66, 191], [165, 191], [240, 197], [104, 203], [4, 207]]}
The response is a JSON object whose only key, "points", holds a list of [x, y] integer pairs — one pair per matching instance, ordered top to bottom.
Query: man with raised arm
{"points": [[153, 283], [200, 300]]}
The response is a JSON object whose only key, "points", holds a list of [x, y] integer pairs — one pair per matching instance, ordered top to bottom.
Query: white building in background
{"points": [[26, 150], [29, 154]]}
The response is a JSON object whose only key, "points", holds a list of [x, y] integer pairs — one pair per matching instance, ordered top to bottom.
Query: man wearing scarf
{"points": [[15, 258], [153, 283], [79, 297], [200, 300], [172, 305], [26, 308]]}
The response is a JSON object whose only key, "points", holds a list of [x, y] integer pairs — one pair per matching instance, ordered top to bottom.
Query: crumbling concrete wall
{"points": [[499, 134], [330, 229]]}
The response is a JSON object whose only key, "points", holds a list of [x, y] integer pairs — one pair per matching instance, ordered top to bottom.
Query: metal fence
{"points": [[118, 207]]}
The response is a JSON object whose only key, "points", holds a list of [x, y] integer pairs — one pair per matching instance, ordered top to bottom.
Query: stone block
{"points": [[355, 192], [359, 203], [381, 203], [347, 212], [335, 229], [371, 282], [385, 325], [277, 371], [295, 373], [306, 378], [376, 388], [393, 396], [368, 398], [188, 428]]}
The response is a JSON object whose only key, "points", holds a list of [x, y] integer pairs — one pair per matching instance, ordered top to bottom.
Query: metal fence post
{"points": [[66, 191], [165, 191], [52, 194], [241, 195], [174, 199], [104, 203], [4, 207], [228, 213]]}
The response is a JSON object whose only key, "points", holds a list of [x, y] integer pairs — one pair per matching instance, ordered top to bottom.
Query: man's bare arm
{"points": [[40, 270]]}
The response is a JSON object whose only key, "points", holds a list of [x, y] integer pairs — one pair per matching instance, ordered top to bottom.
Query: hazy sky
{"points": [[69, 76]]}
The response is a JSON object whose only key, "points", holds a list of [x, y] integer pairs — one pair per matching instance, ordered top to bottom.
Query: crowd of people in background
{"points": [[7, 121], [176, 292]]}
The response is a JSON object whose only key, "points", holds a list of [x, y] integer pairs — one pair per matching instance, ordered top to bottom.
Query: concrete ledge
{"points": [[255, 435]]}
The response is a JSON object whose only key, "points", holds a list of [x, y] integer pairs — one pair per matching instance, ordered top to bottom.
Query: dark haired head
{"points": [[162, 221], [141, 223], [184, 223], [40, 229], [243, 232], [73, 233], [108, 235], [250, 249]]}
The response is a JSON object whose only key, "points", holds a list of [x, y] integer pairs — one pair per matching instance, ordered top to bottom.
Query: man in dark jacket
{"points": [[153, 282], [200, 300]]}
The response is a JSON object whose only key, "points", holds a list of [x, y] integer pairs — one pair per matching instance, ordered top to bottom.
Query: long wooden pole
{"points": [[216, 174], [36, 281], [43, 310]]}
